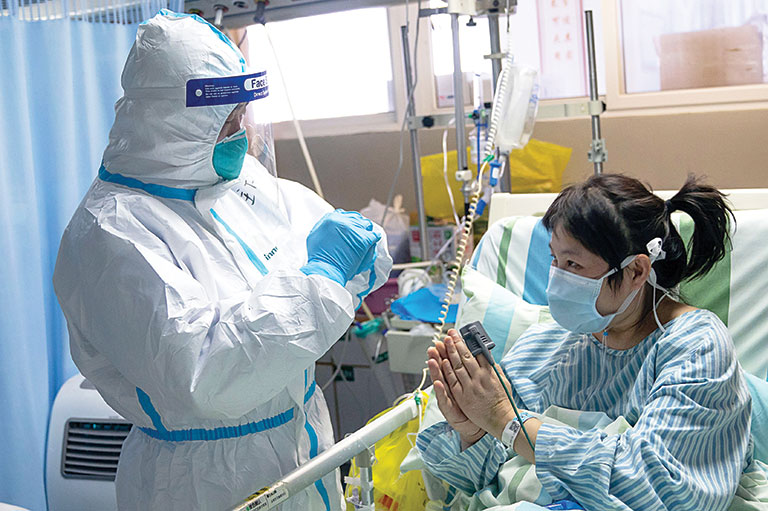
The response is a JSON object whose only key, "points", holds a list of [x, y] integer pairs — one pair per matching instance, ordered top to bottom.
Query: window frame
{"points": [[734, 97], [619, 103], [350, 125]]}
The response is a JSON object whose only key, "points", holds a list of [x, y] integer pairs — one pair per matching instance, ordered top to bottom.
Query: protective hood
{"points": [[156, 137]]}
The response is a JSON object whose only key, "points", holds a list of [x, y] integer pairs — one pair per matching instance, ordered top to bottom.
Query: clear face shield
{"points": [[244, 122], [246, 129]]}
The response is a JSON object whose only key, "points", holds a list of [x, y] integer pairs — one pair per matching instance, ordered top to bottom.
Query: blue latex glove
{"points": [[340, 245]]}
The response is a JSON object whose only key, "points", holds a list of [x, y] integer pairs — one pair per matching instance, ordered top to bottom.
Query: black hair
{"points": [[614, 216]]}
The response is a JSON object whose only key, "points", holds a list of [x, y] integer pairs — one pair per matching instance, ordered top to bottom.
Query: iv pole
{"points": [[411, 112], [597, 153]]}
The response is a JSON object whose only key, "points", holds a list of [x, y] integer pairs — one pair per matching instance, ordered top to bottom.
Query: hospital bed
{"points": [[514, 256], [505, 284], [735, 290]]}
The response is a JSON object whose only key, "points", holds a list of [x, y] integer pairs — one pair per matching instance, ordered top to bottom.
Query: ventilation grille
{"points": [[92, 448]]}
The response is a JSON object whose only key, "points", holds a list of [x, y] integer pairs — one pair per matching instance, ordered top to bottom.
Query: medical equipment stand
{"points": [[496, 57], [594, 107], [411, 112], [597, 153], [462, 173], [364, 462]]}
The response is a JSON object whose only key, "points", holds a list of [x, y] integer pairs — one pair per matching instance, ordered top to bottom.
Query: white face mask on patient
{"points": [[573, 298]]}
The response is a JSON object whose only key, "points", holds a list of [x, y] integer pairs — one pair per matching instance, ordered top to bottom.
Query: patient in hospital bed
{"points": [[631, 399]]}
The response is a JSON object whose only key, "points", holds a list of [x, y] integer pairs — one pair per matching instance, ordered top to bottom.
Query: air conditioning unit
{"points": [[85, 437]]}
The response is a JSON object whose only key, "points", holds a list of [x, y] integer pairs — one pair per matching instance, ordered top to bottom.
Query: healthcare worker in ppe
{"points": [[199, 290]]}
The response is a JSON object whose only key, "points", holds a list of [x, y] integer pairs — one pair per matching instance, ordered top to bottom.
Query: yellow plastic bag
{"points": [[538, 167], [437, 204], [392, 490]]}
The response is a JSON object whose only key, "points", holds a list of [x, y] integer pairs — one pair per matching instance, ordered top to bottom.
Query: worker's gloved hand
{"points": [[340, 245]]}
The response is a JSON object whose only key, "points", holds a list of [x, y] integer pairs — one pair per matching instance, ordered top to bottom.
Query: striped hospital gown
{"points": [[682, 391]]}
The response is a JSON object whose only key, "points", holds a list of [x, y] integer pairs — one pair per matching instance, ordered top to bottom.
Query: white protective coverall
{"points": [[184, 300]]}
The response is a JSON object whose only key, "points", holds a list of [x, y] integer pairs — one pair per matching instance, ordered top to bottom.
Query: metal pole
{"points": [[493, 28], [458, 102], [411, 112], [597, 152], [364, 462]]}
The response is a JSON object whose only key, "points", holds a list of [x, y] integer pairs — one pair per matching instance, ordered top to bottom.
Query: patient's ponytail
{"points": [[615, 216], [711, 217]]}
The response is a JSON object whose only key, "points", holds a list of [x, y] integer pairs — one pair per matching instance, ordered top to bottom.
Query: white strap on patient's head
{"points": [[655, 250], [657, 254]]}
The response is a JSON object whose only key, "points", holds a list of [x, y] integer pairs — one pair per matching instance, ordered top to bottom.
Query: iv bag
{"points": [[518, 102]]}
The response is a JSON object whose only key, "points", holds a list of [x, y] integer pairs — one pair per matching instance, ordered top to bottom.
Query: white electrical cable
{"points": [[501, 91], [296, 125], [445, 173], [391, 194], [455, 272], [347, 341], [357, 400]]}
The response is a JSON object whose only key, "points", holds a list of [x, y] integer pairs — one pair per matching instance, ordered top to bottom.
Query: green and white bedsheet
{"points": [[514, 253], [505, 288], [517, 481]]}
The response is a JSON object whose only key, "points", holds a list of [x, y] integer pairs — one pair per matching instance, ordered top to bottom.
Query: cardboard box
{"points": [[711, 58], [437, 236], [407, 352]]}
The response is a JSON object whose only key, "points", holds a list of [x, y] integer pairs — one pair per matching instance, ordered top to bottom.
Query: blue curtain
{"points": [[59, 80]]}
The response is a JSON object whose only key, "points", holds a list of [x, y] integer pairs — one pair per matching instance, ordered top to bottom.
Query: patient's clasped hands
{"points": [[468, 392]]}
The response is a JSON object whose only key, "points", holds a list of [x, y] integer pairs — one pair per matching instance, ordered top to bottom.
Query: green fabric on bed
{"points": [[713, 290]]}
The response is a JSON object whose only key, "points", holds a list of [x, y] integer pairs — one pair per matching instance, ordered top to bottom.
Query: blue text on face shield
{"points": [[227, 90]]}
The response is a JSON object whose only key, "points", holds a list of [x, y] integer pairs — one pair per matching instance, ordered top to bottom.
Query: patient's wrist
{"points": [[498, 428], [469, 440]]}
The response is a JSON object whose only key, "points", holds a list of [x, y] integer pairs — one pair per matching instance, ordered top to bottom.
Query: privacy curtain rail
{"points": [[122, 12]]}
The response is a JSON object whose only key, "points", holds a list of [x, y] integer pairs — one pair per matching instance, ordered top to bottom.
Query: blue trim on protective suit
{"points": [[166, 192], [250, 253], [537, 266], [371, 278], [310, 392], [149, 409], [184, 435], [313, 451]]}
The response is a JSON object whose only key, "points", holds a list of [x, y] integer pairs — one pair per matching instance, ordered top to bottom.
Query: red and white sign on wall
{"points": [[561, 40]]}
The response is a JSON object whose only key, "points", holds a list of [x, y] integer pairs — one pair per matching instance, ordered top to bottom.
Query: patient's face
{"points": [[572, 256]]}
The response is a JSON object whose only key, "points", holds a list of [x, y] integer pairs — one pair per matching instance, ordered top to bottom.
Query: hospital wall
{"points": [[729, 147]]}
